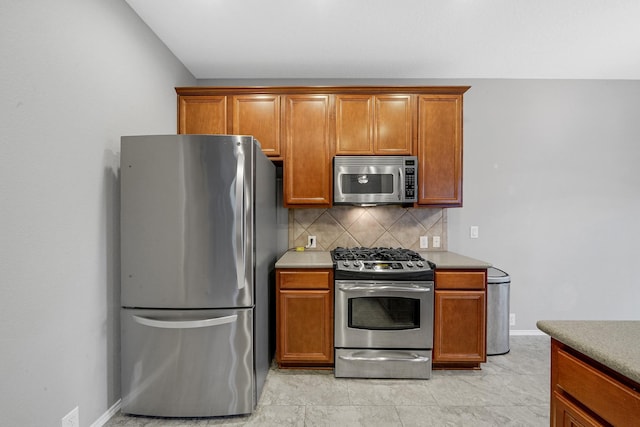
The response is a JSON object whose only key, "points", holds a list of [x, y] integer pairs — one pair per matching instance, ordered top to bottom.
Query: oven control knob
{"points": [[345, 263], [356, 263], [410, 264], [420, 264]]}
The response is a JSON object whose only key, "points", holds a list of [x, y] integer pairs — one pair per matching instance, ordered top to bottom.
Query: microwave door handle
{"points": [[400, 181], [240, 220]]}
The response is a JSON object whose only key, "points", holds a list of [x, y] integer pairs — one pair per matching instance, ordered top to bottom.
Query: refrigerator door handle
{"points": [[240, 253], [185, 324]]}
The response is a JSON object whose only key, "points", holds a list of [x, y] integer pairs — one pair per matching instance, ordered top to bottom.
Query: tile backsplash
{"points": [[349, 226]]}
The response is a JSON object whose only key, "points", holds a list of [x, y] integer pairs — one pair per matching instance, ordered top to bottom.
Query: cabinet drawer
{"points": [[298, 279], [461, 279], [611, 400], [565, 413]]}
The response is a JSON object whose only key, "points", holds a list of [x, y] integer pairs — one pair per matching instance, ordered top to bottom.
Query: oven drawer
{"points": [[370, 363]]}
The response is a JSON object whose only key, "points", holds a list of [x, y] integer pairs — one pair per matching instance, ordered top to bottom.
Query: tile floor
{"points": [[510, 390]]}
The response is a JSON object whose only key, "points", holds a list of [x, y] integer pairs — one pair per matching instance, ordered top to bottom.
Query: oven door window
{"points": [[359, 183], [384, 313]]}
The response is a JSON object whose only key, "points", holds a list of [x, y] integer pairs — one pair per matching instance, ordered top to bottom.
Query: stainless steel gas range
{"points": [[383, 313]]}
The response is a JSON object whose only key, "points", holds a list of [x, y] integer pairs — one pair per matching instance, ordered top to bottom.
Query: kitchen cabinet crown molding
{"points": [[290, 90]]}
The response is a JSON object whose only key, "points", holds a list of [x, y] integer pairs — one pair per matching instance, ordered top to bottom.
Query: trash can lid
{"points": [[495, 275]]}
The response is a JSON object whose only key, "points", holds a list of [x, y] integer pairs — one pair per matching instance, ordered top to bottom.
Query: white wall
{"points": [[75, 75], [552, 178]]}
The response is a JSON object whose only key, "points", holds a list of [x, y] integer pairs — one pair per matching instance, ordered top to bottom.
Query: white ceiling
{"points": [[400, 39]]}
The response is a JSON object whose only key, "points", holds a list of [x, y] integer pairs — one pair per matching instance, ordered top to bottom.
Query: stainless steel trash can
{"points": [[498, 284]]}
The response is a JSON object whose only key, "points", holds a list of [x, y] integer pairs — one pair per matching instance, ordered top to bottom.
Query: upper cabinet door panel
{"points": [[202, 114], [259, 115], [354, 124], [368, 124], [393, 124], [440, 150], [308, 153]]}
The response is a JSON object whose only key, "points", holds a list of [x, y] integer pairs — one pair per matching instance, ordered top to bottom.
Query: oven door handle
{"points": [[357, 288], [411, 358]]}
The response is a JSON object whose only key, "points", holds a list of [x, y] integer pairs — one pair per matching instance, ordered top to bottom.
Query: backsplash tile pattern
{"points": [[350, 226]]}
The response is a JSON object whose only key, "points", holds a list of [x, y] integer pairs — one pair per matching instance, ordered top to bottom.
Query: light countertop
{"points": [[305, 259], [322, 259], [446, 259], [615, 344]]}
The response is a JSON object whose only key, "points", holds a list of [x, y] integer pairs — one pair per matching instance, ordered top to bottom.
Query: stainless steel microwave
{"points": [[375, 180]]}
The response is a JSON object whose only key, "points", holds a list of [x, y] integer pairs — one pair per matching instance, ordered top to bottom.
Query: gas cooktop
{"points": [[375, 254], [380, 263]]}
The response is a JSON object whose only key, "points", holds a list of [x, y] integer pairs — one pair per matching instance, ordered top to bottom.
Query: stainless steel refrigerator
{"points": [[198, 243]]}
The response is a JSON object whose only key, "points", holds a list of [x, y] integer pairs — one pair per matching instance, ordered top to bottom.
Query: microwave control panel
{"points": [[410, 179]]}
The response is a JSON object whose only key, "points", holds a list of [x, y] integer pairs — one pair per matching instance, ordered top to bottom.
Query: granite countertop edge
{"points": [[322, 259], [610, 342]]}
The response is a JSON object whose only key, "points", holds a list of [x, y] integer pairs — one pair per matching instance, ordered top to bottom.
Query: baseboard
{"points": [[526, 332], [107, 415]]}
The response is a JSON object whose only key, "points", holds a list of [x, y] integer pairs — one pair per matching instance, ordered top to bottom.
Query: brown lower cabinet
{"points": [[460, 312], [304, 317], [586, 393]]}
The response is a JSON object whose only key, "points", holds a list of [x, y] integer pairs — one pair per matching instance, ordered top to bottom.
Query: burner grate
{"points": [[375, 254]]}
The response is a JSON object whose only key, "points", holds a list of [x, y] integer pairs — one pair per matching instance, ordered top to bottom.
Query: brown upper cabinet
{"points": [[202, 114], [259, 115], [374, 124], [305, 126], [440, 150], [308, 155]]}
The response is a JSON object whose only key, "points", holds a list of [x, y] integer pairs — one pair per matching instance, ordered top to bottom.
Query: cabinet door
{"points": [[202, 114], [259, 115], [354, 124], [381, 124], [393, 125], [440, 150], [308, 151], [304, 317], [459, 326], [305, 327], [566, 414]]}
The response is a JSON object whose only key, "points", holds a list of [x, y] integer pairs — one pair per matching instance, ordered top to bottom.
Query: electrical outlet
{"points": [[473, 231], [436, 241], [311, 242], [424, 242], [512, 319], [72, 419]]}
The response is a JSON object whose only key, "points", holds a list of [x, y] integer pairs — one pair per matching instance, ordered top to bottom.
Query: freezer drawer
{"points": [[187, 363]]}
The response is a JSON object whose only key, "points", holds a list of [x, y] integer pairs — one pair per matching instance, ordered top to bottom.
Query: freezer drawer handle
{"points": [[240, 219], [185, 324], [411, 358]]}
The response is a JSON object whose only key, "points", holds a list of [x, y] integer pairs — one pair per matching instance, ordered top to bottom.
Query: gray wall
{"points": [[75, 76], [551, 177]]}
